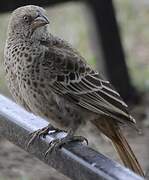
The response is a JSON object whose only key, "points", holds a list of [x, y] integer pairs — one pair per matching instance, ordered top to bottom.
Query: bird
{"points": [[50, 78]]}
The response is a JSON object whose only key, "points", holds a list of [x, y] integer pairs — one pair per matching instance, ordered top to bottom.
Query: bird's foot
{"points": [[41, 132], [56, 144]]}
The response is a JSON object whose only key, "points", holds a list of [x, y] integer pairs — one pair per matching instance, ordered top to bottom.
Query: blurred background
{"points": [[113, 36]]}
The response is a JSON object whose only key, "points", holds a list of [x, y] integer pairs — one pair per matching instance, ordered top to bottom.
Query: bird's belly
{"points": [[60, 112]]}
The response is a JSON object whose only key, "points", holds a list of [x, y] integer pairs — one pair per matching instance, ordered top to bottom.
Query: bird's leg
{"points": [[41, 132], [58, 143]]}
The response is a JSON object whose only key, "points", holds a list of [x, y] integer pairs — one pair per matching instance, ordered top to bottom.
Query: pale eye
{"points": [[26, 18]]}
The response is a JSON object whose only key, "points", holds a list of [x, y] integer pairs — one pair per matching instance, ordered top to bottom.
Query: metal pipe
{"points": [[77, 161]]}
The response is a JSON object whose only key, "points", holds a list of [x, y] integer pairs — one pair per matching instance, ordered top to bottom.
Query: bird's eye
{"points": [[26, 18]]}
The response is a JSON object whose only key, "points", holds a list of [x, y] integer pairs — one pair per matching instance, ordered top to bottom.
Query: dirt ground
{"points": [[15, 164]]}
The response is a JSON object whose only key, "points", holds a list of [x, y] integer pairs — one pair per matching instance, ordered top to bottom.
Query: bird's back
{"points": [[48, 76]]}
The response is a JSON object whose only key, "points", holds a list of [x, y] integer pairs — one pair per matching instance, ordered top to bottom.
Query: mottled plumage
{"points": [[51, 79]]}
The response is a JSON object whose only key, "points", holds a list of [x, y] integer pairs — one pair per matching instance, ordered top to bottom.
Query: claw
{"points": [[41, 132], [56, 144], [53, 146]]}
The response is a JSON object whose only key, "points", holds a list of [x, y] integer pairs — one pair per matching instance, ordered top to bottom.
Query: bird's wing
{"points": [[72, 78]]}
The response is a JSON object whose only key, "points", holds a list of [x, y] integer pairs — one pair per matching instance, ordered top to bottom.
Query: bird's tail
{"points": [[120, 143]]}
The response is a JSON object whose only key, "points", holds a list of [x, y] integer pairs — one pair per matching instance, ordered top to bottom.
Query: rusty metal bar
{"points": [[77, 161]]}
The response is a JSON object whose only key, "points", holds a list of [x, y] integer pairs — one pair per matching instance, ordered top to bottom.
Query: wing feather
{"points": [[84, 86]]}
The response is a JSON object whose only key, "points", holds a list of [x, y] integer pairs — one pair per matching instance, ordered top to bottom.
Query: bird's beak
{"points": [[39, 21]]}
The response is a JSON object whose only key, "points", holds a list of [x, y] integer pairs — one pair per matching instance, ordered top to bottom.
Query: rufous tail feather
{"points": [[113, 132]]}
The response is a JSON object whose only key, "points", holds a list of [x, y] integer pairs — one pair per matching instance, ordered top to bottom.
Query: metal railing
{"points": [[77, 161]]}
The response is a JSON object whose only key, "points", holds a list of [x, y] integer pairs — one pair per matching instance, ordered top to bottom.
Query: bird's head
{"points": [[27, 20]]}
